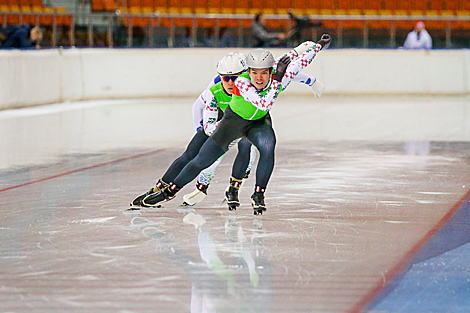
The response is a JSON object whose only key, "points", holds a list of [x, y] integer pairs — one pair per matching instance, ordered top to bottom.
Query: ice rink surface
{"points": [[368, 211]]}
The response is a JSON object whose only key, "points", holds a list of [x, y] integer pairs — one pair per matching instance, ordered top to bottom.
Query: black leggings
{"points": [[231, 127], [191, 151], [242, 160]]}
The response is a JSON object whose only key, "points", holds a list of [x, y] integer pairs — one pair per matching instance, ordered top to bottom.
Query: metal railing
{"points": [[37, 16], [154, 20]]}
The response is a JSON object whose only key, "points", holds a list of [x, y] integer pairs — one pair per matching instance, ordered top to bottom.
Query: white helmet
{"points": [[241, 55], [260, 58], [231, 64]]}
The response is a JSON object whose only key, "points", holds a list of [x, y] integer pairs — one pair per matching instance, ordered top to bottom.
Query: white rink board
{"points": [[49, 76], [44, 133]]}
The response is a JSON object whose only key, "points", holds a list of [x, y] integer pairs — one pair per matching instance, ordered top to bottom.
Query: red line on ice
{"points": [[82, 169], [395, 270]]}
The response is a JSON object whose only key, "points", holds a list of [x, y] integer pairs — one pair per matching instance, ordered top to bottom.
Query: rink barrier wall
{"points": [[29, 78]]}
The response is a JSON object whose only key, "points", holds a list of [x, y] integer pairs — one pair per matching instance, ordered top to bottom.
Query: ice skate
{"points": [[231, 195], [196, 196], [155, 199], [257, 201], [137, 202], [134, 208]]}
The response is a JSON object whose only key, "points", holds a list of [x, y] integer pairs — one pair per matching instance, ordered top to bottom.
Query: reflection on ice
{"points": [[417, 147], [340, 216], [97, 220], [243, 285]]}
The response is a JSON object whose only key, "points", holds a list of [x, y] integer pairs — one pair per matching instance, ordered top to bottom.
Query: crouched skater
{"points": [[217, 99], [205, 110], [247, 115]]}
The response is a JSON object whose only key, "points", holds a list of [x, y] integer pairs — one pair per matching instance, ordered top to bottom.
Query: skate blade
{"points": [[138, 207], [231, 208], [185, 210], [259, 211]]}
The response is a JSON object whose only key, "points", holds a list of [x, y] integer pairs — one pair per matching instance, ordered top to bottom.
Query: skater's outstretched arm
{"points": [[294, 53], [304, 60], [301, 77], [317, 86], [264, 99], [200, 104], [198, 108], [210, 114]]}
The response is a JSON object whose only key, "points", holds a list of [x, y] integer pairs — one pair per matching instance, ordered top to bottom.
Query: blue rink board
{"points": [[437, 279]]}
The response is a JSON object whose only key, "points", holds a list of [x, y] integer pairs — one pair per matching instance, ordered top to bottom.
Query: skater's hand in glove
{"points": [[325, 41], [304, 46], [281, 68], [317, 88], [209, 128]]}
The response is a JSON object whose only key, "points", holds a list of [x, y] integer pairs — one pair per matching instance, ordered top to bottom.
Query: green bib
{"points": [[221, 97], [244, 108]]}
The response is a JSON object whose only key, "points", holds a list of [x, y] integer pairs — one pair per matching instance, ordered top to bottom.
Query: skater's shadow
{"points": [[243, 285]]}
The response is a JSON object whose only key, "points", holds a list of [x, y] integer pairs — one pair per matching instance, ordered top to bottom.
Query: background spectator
{"points": [[300, 24], [261, 35], [21, 37], [209, 37], [227, 37], [188, 38], [419, 38]]}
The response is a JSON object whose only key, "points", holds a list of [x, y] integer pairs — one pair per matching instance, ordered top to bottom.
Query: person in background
{"points": [[301, 23], [261, 35], [21, 37], [209, 37], [227, 38], [419, 38], [188, 39]]}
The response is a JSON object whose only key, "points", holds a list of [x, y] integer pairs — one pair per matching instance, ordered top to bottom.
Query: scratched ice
{"points": [[358, 187]]}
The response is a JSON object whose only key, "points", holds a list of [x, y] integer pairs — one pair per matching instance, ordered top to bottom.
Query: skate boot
{"points": [[159, 186], [231, 194], [163, 195], [196, 196], [257, 201]]}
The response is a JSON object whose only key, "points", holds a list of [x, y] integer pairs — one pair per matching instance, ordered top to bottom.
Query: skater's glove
{"points": [[325, 41], [304, 46], [281, 68], [317, 88], [210, 128]]}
